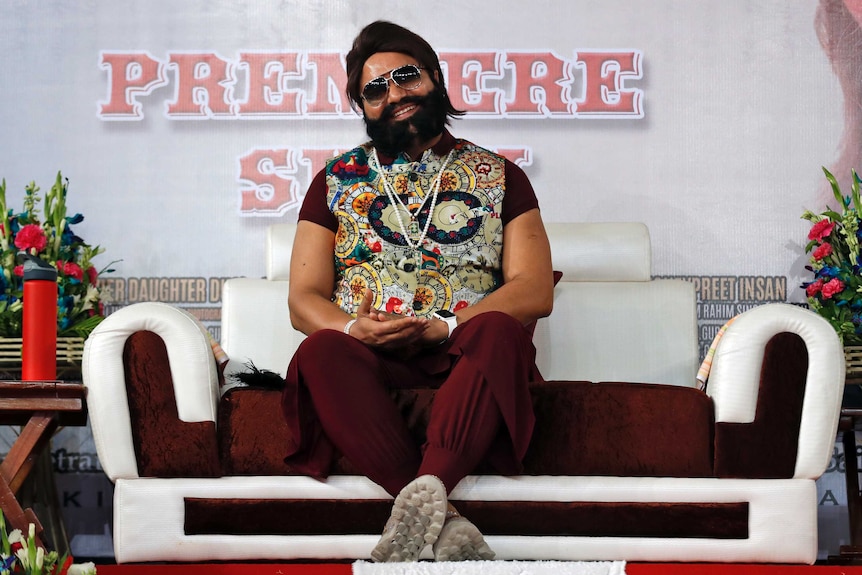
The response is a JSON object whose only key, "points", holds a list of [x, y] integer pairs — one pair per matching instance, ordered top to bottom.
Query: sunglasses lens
{"points": [[408, 77], [375, 90]]}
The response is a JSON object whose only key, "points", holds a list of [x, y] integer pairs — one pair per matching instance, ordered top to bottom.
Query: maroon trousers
{"points": [[338, 397]]}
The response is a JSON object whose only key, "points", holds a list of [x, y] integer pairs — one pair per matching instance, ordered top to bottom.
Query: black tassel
{"points": [[262, 378]]}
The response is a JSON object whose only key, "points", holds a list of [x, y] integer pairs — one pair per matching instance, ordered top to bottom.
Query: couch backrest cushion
{"points": [[279, 243], [601, 252], [610, 321], [255, 325], [643, 332]]}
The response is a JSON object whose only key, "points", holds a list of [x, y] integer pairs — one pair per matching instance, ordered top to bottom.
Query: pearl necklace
{"points": [[394, 198]]}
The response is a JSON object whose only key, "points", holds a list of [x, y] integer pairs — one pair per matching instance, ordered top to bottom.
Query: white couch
{"points": [[611, 323]]}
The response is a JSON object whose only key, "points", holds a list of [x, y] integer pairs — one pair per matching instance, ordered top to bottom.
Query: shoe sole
{"points": [[417, 519], [460, 540]]}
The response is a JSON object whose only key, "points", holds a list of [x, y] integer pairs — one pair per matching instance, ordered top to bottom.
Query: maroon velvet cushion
{"points": [[582, 428], [620, 429], [623, 429], [253, 434], [164, 445], [766, 448], [246, 516]]}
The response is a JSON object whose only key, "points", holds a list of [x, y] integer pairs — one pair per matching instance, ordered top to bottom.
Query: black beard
{"points": [[394, 137]]}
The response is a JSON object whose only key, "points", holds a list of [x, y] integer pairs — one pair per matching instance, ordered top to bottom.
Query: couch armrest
{"points": [[192, 369], [739, 374]]}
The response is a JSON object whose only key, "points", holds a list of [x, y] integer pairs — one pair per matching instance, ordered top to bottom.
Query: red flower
{"points": [[821, 230], [31, 236], [822, 251], [71, 269], [18, 271], [92, 275], [832, 287], [814, 288]]}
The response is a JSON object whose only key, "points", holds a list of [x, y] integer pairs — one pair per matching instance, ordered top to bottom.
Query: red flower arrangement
{"points": [[48, 236], [836, 290]]}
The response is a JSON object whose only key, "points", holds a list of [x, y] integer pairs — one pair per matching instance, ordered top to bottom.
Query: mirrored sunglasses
{"points": [[408, 77]]}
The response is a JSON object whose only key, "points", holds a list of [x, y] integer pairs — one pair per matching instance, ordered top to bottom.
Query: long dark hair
{"points": [[382, 36]]}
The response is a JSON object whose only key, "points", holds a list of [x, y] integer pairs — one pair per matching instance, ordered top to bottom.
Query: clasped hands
{"points": [[392, 331]]}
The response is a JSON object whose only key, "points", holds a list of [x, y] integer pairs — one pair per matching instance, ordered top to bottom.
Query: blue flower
{"points": [[828, 272]]}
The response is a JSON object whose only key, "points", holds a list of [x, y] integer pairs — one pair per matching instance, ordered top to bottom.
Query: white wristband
{"points": [[449, 318], [348, 325]]}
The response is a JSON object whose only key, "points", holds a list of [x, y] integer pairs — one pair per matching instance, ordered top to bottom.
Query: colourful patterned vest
{"points": [[459, 261]]}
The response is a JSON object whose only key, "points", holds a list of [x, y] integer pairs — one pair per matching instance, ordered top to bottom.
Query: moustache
{"points": [[389, 111]]}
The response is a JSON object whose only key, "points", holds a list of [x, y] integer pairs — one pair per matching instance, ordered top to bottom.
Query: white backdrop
{"points": [[740, 110], [162, 114]]}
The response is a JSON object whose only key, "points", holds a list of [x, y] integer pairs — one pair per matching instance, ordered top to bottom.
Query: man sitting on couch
{"points": [[418, 260]]}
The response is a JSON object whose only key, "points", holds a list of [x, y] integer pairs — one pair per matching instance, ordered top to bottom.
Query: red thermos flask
{"points": [[39, 346]]}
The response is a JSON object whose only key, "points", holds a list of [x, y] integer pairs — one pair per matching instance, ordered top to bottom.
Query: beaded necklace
{"points": [[394, 198]]}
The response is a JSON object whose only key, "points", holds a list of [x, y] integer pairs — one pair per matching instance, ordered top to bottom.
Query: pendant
{"points": [[414, 226]]}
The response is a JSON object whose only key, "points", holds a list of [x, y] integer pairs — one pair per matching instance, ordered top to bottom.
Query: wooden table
{"points": [[40, 407]]}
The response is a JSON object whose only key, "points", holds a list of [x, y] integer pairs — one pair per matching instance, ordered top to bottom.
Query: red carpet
{"points": [[229, 569], [345, 569], [737, 569]]}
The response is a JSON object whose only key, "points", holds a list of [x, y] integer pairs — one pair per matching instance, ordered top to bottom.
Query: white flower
{"points": [[16, 537], [23, 557], [88, 568]]}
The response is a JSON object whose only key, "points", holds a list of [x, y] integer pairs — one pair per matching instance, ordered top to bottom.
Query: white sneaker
{"points": [[416, 521], [460, 540]]}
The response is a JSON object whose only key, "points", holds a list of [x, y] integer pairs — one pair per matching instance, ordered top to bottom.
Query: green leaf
{"points": [[836, 189], [857, 201], [82, 328], [5, 548]]}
